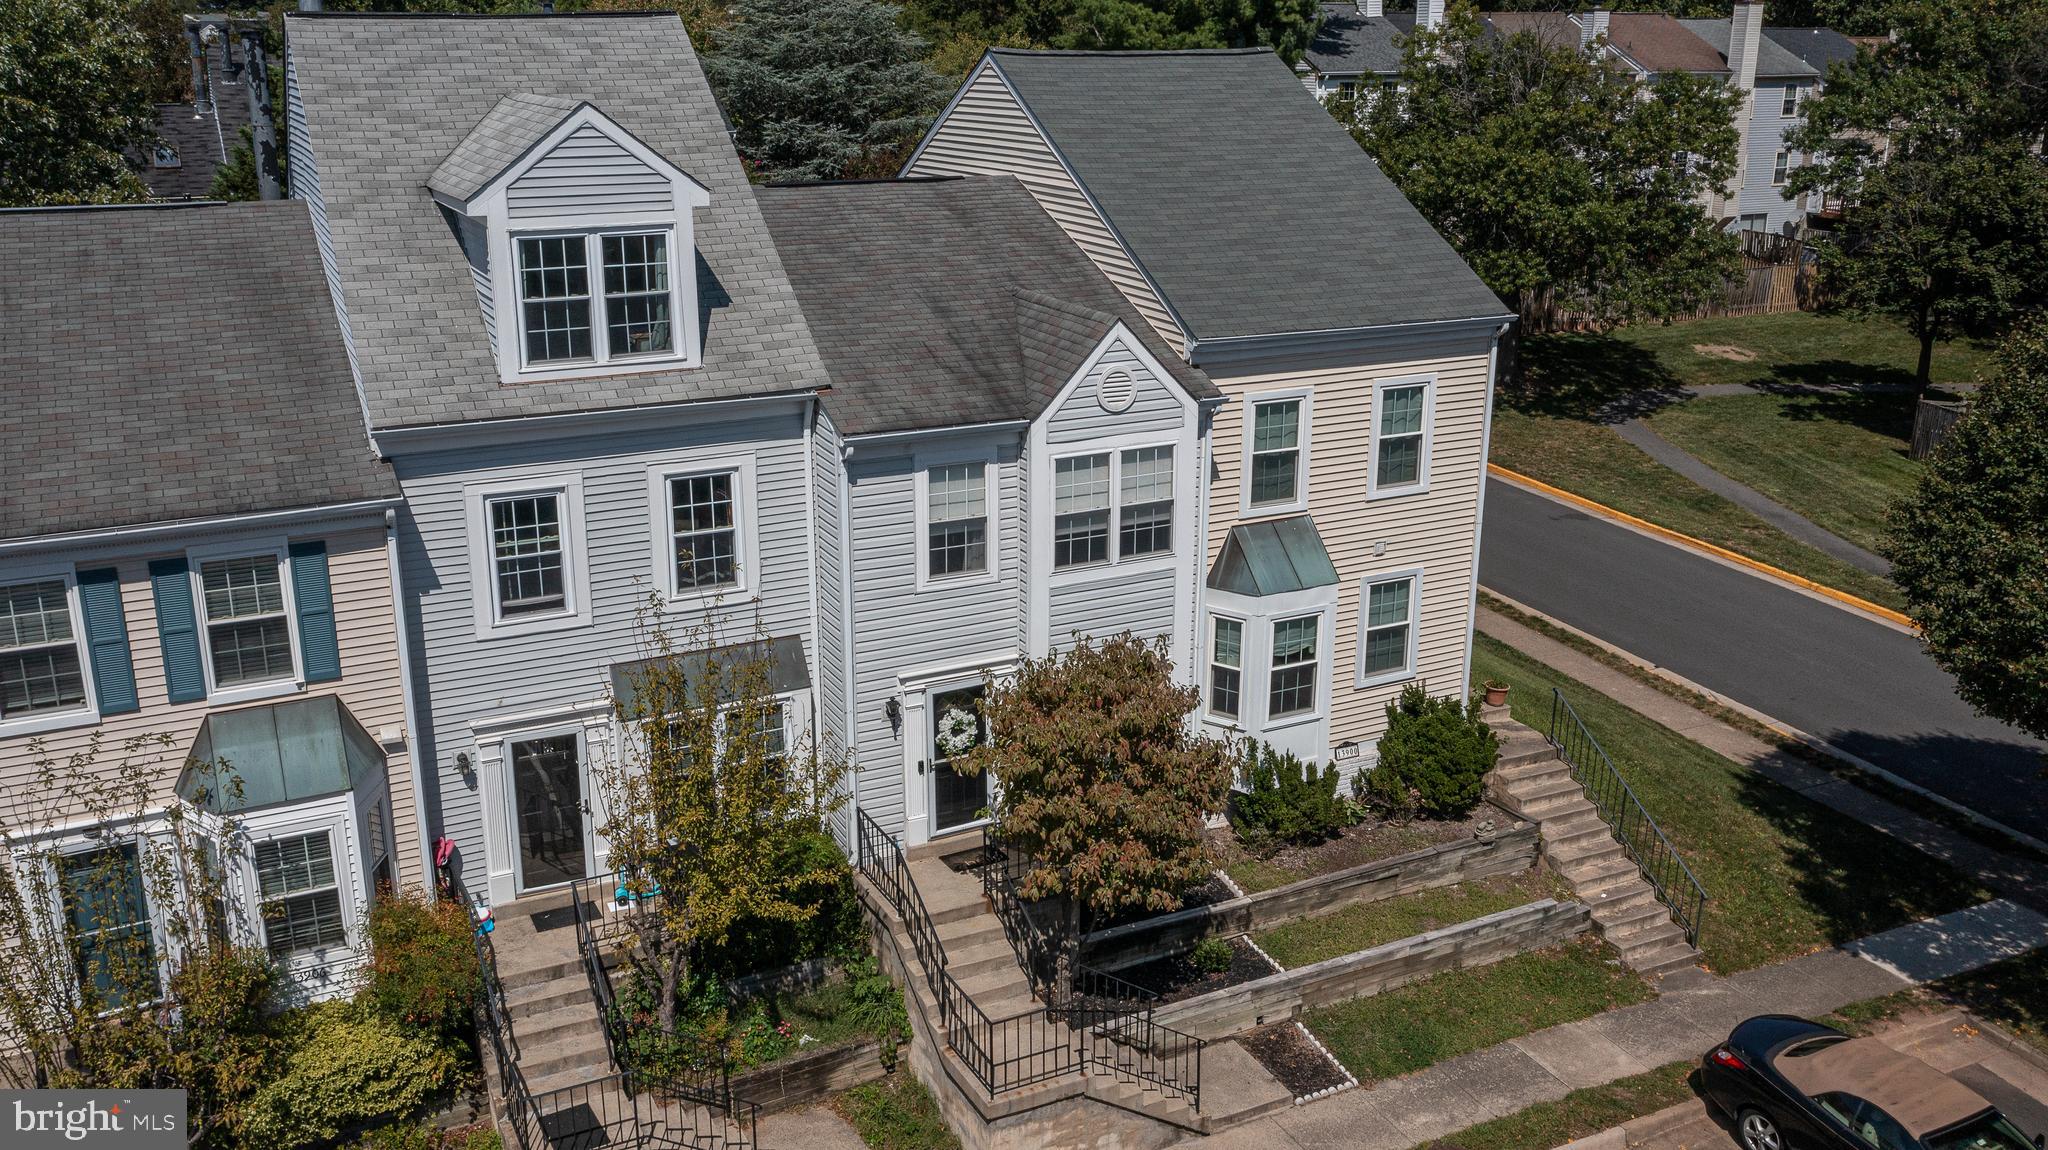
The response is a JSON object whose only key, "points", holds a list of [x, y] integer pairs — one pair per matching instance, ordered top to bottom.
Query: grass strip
{"points": [[1363, 925], [1459, 1011], [896, 1113], [1581, 1113]]}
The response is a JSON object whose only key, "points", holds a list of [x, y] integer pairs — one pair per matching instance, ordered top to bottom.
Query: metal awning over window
{"points": [[1272, 557], [784, 667], [280, 753]]}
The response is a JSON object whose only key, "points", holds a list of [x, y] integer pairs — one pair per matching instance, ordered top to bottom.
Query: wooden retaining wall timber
{"points": [[1509, 851], [1278, 997]]}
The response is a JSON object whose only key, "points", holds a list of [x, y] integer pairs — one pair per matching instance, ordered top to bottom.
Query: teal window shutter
{"points": [[313, 595], [177, 630], [106, 633]]}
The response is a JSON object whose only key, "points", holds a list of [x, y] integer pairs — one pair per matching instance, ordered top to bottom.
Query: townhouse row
{"points": [[380, 490]]}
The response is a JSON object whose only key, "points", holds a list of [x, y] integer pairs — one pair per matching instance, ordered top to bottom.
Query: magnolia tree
{"points": [[1103, 783], [709, 799], [120, 963]]}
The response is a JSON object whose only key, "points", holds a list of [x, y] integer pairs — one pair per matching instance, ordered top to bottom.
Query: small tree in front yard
{"points": [[1969, 546], [1102, 781], [709, 803]]}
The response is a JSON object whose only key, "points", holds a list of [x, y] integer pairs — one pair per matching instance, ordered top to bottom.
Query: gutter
{"points": [[1250, 346], [848, 442], [113, 536], [412, 728]]}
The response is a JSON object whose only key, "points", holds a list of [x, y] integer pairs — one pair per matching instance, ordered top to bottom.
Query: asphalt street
{"points": [[1862, 686]]}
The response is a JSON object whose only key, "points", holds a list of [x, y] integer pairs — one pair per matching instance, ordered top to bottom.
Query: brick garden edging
{"points": [[1508, 851], [1235, 1009]]}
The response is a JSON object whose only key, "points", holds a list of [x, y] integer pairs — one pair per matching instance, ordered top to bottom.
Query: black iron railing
{"points": [[1647, 845], [1071, 1035]]}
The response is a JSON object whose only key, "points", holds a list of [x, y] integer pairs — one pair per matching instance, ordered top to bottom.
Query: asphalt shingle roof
{"points": [[1348, 43], [1661, 43], [1818, 47], [1772, 59], [388, 98], [512, 126], [1253, 210], [939, 303], [172, 363]]}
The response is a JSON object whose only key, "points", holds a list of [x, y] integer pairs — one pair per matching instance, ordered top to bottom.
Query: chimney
{"points": [[309, 5], [1372, 9], [1429, 15], [1592, 26], [1745, 39], [262, 130]]}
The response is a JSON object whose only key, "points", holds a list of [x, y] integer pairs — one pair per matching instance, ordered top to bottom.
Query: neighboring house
{"points": [[1358, 47], [1776, 83], [195, 138], [576, 344], [1352, 345], [1009, 456], [196, 545]]}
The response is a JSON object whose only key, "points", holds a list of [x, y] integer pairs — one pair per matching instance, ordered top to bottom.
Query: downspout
{"points": [[1479, 513], [852, 700], [412, 726]]}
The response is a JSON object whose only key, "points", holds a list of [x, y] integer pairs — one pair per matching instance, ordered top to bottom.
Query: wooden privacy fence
{"points": [[1778, 274], [1933, 419]]}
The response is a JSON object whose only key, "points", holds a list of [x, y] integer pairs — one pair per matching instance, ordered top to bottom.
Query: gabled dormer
{"points": [[580, 238]]}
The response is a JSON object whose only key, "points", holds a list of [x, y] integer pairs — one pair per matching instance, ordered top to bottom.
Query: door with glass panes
{"points": [[957, 726], [547, 796]]}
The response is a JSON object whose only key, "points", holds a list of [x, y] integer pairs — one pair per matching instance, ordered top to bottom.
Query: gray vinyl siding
{"points": [[1767, 128], [585, 175], [305, 181], [475, 237], [1154, 410], [829, 560], [1140, 604], [900, 628], [462, 679]]}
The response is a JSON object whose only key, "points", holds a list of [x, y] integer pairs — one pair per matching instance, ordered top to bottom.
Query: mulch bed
{"points": [[1369, 841], [1213, 890], [1175, 978], [1288, 1054]]}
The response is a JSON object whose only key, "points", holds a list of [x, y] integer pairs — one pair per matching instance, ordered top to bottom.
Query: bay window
{"points": [[1226, 666], [1291, 677], [301, 895]]}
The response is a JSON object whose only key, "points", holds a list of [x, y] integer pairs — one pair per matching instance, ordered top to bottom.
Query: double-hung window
{"points": [[1790, 107], [1780, 168], [634, 304], [1400, 436], [1275, 464], [1145, 502], [704, 518], [956, 519], [1080, 526], [527, 554], [248, 636], [1387, 648], [41, 666], [1226, 666], [1291, 681], [301, 894], [106, 915]]}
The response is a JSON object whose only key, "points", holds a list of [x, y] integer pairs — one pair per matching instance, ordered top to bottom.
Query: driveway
{"points": [[1863, 686]]}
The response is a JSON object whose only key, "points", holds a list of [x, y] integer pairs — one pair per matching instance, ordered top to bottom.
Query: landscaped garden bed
{"points": [[1364, 842], [1365, 925], [1214, 965], [1290, 1055]]}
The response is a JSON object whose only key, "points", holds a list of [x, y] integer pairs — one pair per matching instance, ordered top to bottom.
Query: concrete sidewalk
{"points": [[1691, 1015]]}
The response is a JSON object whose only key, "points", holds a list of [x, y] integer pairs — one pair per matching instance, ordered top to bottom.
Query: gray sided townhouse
{"points": [[1341, 490], [197, 547]]}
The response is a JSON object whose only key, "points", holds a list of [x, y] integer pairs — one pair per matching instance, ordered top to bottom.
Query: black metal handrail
{"points": [[1640, 836]]}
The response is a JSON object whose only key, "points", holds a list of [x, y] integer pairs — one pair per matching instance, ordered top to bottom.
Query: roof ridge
{"points": [[998, 51], [1039, 298]]}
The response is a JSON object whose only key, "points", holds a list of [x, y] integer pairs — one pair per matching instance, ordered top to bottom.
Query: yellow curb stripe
{"points": [[1685, 540]]}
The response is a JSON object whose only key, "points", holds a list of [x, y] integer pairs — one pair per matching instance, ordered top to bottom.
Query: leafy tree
{"points": [[962, 28], [75, 83], [822, 89], [1932, 140], [1554, 175], [236, 179], [1969, 549], [1434, 757], [1104, 787], [707, 810]]}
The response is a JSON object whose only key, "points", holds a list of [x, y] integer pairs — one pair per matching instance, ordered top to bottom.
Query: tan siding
{"points": [[987, 133], [1433, 530], [369, 685]]}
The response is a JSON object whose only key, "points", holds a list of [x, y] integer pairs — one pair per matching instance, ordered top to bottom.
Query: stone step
{"points": [[1525, 751], [1532, 794], [1578, 819], [1575, 832], [1595, 849], [1594, 877], [948, 896], [1619, 896], [1619, 920], [971, 932], [1644, 936], [984, 958], [1670, 959], [535, 970], [993, 985], [541, 998], [550, 1025], [577, 1053], [539, 1084], [1146, 1099]]}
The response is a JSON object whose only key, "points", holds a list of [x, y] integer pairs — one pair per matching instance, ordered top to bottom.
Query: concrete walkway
{"points": [[1642, 435], [2016, 878], [1689, 1016], [812, 1128]]}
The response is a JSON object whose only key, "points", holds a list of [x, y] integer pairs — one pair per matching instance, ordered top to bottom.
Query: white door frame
{"points": [[916, 688]]}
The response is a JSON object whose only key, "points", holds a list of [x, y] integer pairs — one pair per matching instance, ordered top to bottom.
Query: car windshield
{"points": [[1991, 1132]]}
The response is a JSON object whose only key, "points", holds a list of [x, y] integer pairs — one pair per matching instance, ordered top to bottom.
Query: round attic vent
{"points": [[1116, 392]]}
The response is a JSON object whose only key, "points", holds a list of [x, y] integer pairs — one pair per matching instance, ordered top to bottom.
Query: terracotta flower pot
{"points": [[1496, 693]]}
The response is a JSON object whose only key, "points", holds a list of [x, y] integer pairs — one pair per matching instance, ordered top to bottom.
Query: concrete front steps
{"points": [[1532, 781], [547, 997]]}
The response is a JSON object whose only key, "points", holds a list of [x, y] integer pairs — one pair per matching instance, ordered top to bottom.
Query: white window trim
{"points": [[1791, 95], [1779, 175], [601, 358], [1380, 387], [1115, 448], [922, 463], [1246, 509], [746, 537], [195, 558], [483, 572], [1322, 669], [1244, 672], [1408, 672], [914, 689], [39, 722], [142, 835], [349, 875]]}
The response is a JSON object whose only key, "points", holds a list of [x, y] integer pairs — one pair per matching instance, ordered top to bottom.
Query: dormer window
{"points": [[580, 238]]}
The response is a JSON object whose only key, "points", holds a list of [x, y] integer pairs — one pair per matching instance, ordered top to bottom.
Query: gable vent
{"points": [[1116, 392]]}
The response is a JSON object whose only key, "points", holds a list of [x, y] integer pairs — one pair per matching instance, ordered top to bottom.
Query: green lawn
{"points": [[1834, 460], [1784, 875], [1370, 924], [1460, 1011], [1582, 1112], [896, 1113]]}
